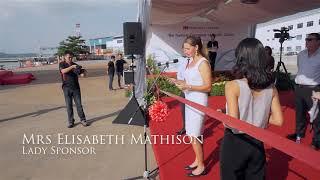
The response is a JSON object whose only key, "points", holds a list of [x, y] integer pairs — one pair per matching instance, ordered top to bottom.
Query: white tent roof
{"points": [[164, 12], [233, 14], [165, 19]]}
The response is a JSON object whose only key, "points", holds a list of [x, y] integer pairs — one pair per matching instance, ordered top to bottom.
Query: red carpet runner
{"points": [[173, 157]]}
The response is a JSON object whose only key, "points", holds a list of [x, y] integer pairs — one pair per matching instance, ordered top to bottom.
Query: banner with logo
{"points": [[166, 41]]}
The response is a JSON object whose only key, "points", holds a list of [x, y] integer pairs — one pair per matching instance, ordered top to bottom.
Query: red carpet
{"points": [[172, 158]]}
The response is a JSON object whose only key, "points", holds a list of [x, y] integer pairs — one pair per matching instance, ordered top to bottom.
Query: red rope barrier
{"points": [[302, 153]]}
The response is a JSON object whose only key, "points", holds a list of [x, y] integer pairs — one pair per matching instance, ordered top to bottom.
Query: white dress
{"points": [[195, 118]]}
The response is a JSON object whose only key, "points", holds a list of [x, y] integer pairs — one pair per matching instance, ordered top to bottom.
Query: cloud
{"points": [[66, 1], [79, 2], [12, 4], [11, 7], [4, 14], [28, 24]]}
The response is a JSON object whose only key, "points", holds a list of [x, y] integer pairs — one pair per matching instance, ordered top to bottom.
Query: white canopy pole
{"points": [[140, 76]]}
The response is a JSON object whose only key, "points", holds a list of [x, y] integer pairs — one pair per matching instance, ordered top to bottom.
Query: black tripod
{"points": [[280, 63], [139, 117], [147, 173]]}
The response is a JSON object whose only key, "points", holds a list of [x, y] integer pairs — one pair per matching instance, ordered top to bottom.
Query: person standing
{"points": [[212, 43], [212, 47], [269, 58], [119, 66], [110, 71], [180, 77], [307, 80], [196, 86], [71, 88], [316, 95], [251, 98]]}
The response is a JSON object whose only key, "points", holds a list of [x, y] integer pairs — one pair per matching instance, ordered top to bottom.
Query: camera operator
{"points": [[71, 88]]}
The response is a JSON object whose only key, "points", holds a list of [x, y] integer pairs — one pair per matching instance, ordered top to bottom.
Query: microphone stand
{"points": [[150, 89], [146, 173]]}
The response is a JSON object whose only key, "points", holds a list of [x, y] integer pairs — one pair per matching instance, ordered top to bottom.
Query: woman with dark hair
{"points": [[270, 58], [196, 86], [252, 98]]}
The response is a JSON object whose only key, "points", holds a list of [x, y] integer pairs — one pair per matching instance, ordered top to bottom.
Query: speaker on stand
{"points": [[133, 114]]}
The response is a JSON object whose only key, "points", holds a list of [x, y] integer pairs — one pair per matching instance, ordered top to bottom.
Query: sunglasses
{"points": [[310, 39]]}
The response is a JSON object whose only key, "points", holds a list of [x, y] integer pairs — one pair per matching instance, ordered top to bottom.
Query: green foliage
{"points": [[73, 43], [152, 65], [284, 81], [162, 83], [219, 83], [218, 89], [128, 93], [149, 98]]}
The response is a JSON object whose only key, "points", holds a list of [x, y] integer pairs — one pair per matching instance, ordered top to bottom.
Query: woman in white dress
{"points": [[196, 86]]}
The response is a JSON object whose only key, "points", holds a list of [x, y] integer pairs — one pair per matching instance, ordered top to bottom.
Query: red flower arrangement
{"points": [[158, 111]]}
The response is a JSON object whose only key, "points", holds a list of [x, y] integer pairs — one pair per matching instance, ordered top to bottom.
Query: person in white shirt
{"points": [[307, 80], [316, 95]]}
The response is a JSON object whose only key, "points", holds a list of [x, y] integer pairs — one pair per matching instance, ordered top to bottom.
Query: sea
{"points": [[9, 63]]}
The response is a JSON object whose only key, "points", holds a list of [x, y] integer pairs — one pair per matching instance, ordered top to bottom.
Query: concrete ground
{"points": [[38, 109]]}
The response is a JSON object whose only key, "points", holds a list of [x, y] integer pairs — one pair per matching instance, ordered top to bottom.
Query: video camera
{"points": [[282, 35], [79, 70]]}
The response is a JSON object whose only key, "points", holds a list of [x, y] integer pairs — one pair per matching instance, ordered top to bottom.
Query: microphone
{"points": [[168, 62]]}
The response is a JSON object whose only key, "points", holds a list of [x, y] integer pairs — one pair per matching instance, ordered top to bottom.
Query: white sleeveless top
{"points": [[192, 74], [193, 77], [253, 110]]}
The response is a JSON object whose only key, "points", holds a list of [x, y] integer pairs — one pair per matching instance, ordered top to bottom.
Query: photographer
{"points": [[71, 88]]}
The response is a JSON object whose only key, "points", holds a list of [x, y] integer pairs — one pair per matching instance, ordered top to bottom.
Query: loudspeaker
{"points": [[132, 38], [128, 77]]}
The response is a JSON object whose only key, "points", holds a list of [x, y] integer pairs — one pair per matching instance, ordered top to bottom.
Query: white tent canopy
{"points": [[234, 12], [170, 21], [166, 23]]}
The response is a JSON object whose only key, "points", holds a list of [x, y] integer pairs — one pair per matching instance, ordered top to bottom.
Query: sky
{"points": [[26, 25]]}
